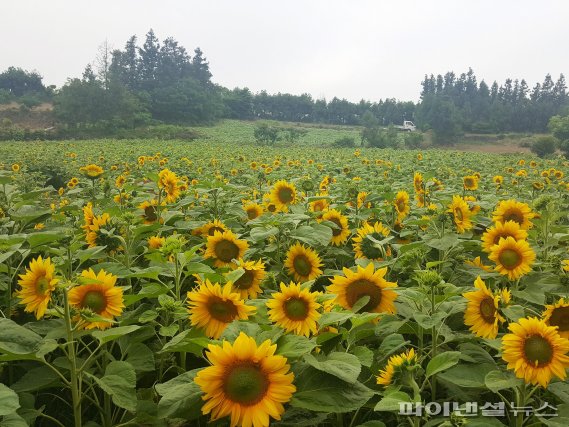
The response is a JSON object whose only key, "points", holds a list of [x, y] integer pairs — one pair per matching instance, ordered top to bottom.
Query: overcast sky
{"points": [[349, 49]]}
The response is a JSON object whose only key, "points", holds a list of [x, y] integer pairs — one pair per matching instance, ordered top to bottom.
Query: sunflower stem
{"points": [[75, 393]]}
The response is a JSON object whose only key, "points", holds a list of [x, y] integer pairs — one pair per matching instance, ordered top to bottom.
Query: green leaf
{"points": [[313, 235], [39, 239], [444, 243], [198, 267], [360, 303], [514, 312], [333, 317], [112, 334], [189, 341], [19, 343], [294, 346], [364, 355], [141, 358], [442, 362], [345, 366], [467, 375], [36, 379], [499, 380], [119, 382], [561, 390], [321, 392], [181, 397], [9, 400], [390, 402], [373, 423]]}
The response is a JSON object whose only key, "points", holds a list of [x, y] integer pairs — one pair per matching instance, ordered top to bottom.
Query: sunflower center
{"points": [[468, 182], [285, 195], [401, 205], [272, 208], [150, 213], [252, 213], [458, 214], [514, 216], [212, 230], [338, 231], [500, 236], [369, 249], [226, 250], [510, 259], [302, 265], [245, 281], [42, 285], [361, 288], [95, 301], [296, 308], [488, 310], [224, 311], [560, 317], [537, 350], [246, 384]]}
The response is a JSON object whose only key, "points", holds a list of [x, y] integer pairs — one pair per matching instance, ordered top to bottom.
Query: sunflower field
{"points": [[164, 283]]}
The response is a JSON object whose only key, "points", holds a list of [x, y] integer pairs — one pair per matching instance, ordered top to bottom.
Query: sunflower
{"points": [[16, 167], [92, 171], [498, 180], [168, 181], [119, 182], [418, 182], [470, 182], [536, 185], [283, 194], [401, 204], [319, 205], [150, 208], [253, 210], [510, 210], [461, 214], [88, 216], [209, 228], [501, 231], [341, 233], [95, 236], [156, 242], [366, 243], [225, 247], [513, 258], [477, 262], [303, 263], [565, 265], [361, 283], [37, 284], [248, 285], [99, 296], [213, 307], [294, 309], [482, 311], [558, 315], [535, 351], [396, 364], [245, 381]]}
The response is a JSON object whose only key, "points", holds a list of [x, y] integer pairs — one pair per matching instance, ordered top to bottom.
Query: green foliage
{"points": [[559, 127], [266, 134], [345, 142], [544, 146]]}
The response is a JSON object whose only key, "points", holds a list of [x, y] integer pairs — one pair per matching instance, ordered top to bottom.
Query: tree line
{"points": [[161, 82]]}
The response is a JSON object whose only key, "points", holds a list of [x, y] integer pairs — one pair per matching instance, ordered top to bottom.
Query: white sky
{"points": [[349, 49]]}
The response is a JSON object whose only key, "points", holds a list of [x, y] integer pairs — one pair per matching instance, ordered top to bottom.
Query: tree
{"points": [[18, 82], [559, 127], [266, 134], [544, 146]]}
